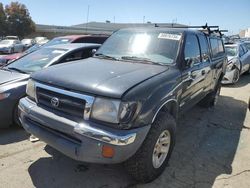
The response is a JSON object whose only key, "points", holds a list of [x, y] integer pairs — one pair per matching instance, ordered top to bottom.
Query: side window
{"points": [[220, 47], [204, 48], [215, 48], [192, 50], [241, 51], [77, 55], [74, 56]]}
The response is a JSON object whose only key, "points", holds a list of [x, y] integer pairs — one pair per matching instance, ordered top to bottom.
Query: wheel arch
{"points": [[170, 106]]}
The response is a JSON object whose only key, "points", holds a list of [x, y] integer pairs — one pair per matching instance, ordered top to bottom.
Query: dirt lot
{"points": [[212, 150]]}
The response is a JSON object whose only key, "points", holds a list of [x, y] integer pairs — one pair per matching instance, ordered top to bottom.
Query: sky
{"points": [[228, 14]]}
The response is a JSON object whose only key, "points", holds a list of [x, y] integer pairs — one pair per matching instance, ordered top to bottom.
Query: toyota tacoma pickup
{"points": [[121, 106]]}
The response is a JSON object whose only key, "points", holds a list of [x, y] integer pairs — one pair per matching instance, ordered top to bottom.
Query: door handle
{"points": [[203, 72]]}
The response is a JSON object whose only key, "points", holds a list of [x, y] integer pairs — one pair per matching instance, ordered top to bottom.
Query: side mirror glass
{"points": [[189, 62]]}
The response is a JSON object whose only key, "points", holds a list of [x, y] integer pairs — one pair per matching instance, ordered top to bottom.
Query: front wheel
{"points": [[236, 76], [16, 120], [152, 157]]}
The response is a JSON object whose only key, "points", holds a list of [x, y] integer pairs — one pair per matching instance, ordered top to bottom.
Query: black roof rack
{"points": [[212, 29]]}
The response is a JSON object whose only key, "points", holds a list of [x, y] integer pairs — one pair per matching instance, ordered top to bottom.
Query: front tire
{"points": [[236, 76], [16, 120], [152, 157]]}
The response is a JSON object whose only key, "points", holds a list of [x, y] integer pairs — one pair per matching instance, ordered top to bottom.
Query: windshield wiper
{"points": [[106, 56], [141, 59], [18, 70]]}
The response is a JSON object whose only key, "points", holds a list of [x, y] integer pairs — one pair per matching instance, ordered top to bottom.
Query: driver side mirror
{"points": [[189, 62]]}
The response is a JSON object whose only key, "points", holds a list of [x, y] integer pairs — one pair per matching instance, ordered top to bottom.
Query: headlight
{"points": [[31, 89], [106, 110], [113, 111]]}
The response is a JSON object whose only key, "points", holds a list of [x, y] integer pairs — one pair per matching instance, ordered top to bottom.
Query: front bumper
{"points": [[228, 77], [83, 140]]}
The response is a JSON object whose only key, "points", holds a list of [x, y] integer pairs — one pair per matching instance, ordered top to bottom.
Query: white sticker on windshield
{"points": [[169, 36]]}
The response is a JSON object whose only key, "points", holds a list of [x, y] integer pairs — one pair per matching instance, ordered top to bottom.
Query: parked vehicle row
{"points": [[11, 46]]}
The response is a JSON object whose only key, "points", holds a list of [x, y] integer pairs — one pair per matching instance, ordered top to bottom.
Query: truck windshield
{"points": [[142, 46], [231, 50], [36, 60]]}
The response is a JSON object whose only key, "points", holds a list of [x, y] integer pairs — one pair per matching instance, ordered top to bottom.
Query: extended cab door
{"points": [[196, 76]]}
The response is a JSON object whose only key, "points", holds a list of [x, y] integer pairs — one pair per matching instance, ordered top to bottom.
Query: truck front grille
{"points": [[61, 102]]}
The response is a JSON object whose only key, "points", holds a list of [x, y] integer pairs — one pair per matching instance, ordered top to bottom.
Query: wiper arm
{"points": [[106, 56], [141, 59], [18, 70]]}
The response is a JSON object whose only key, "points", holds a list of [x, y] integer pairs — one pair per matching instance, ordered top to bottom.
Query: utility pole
{"points": [[87, 18]]}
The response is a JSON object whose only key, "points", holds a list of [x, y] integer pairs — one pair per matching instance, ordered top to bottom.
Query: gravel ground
{"points": [[212, 150]]}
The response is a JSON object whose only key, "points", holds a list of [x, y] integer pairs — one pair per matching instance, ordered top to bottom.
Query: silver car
{"points": [[11, 46], [238, 62]]}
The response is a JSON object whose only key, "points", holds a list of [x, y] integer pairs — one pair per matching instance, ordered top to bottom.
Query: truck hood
{"points": [[11, 76], [98, 76]]}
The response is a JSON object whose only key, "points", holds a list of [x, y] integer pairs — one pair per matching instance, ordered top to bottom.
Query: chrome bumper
{"points": [[28, 108]]}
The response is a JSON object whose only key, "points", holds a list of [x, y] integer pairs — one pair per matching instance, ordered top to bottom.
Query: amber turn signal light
{"points": [[108, 152]]}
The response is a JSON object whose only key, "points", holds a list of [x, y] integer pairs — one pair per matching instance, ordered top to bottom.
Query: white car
{"points": [[11, 46], [238, 62]]}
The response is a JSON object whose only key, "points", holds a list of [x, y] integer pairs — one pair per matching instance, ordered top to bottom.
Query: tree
{"points": [[18, 19], [3, 25]]}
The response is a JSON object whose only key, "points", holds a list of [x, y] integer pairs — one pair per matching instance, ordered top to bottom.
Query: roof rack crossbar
{"points": [[206, 27]]}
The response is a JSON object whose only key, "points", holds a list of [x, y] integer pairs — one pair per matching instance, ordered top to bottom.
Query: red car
{"points": [[98, 39], [5, 59]]}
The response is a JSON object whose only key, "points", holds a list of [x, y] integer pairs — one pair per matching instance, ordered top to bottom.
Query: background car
{"points": [[12, 37], [99, 39], [40, 40], [28, 43], [247, 44], [11, 46], [238, 62], [14, 77]]}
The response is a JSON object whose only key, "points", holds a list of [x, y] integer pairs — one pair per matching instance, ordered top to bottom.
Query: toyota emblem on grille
{"points": [[54, 102]]}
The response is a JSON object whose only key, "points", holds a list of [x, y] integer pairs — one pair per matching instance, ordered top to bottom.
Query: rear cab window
{"points": [[217, 47], [204, 48]]}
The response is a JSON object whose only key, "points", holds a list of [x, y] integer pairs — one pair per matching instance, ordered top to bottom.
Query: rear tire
{"points": [[212, 98], [152, 157]]}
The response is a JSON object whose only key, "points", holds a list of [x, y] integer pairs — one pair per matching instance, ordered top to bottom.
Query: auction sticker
{"points": [[169, 36]]}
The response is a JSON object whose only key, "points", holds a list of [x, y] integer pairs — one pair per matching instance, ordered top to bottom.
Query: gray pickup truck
{"points": [[121, 105]]}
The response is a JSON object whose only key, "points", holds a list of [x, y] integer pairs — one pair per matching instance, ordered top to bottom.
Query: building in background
{"points": [[51, 31], [245, 33]]}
